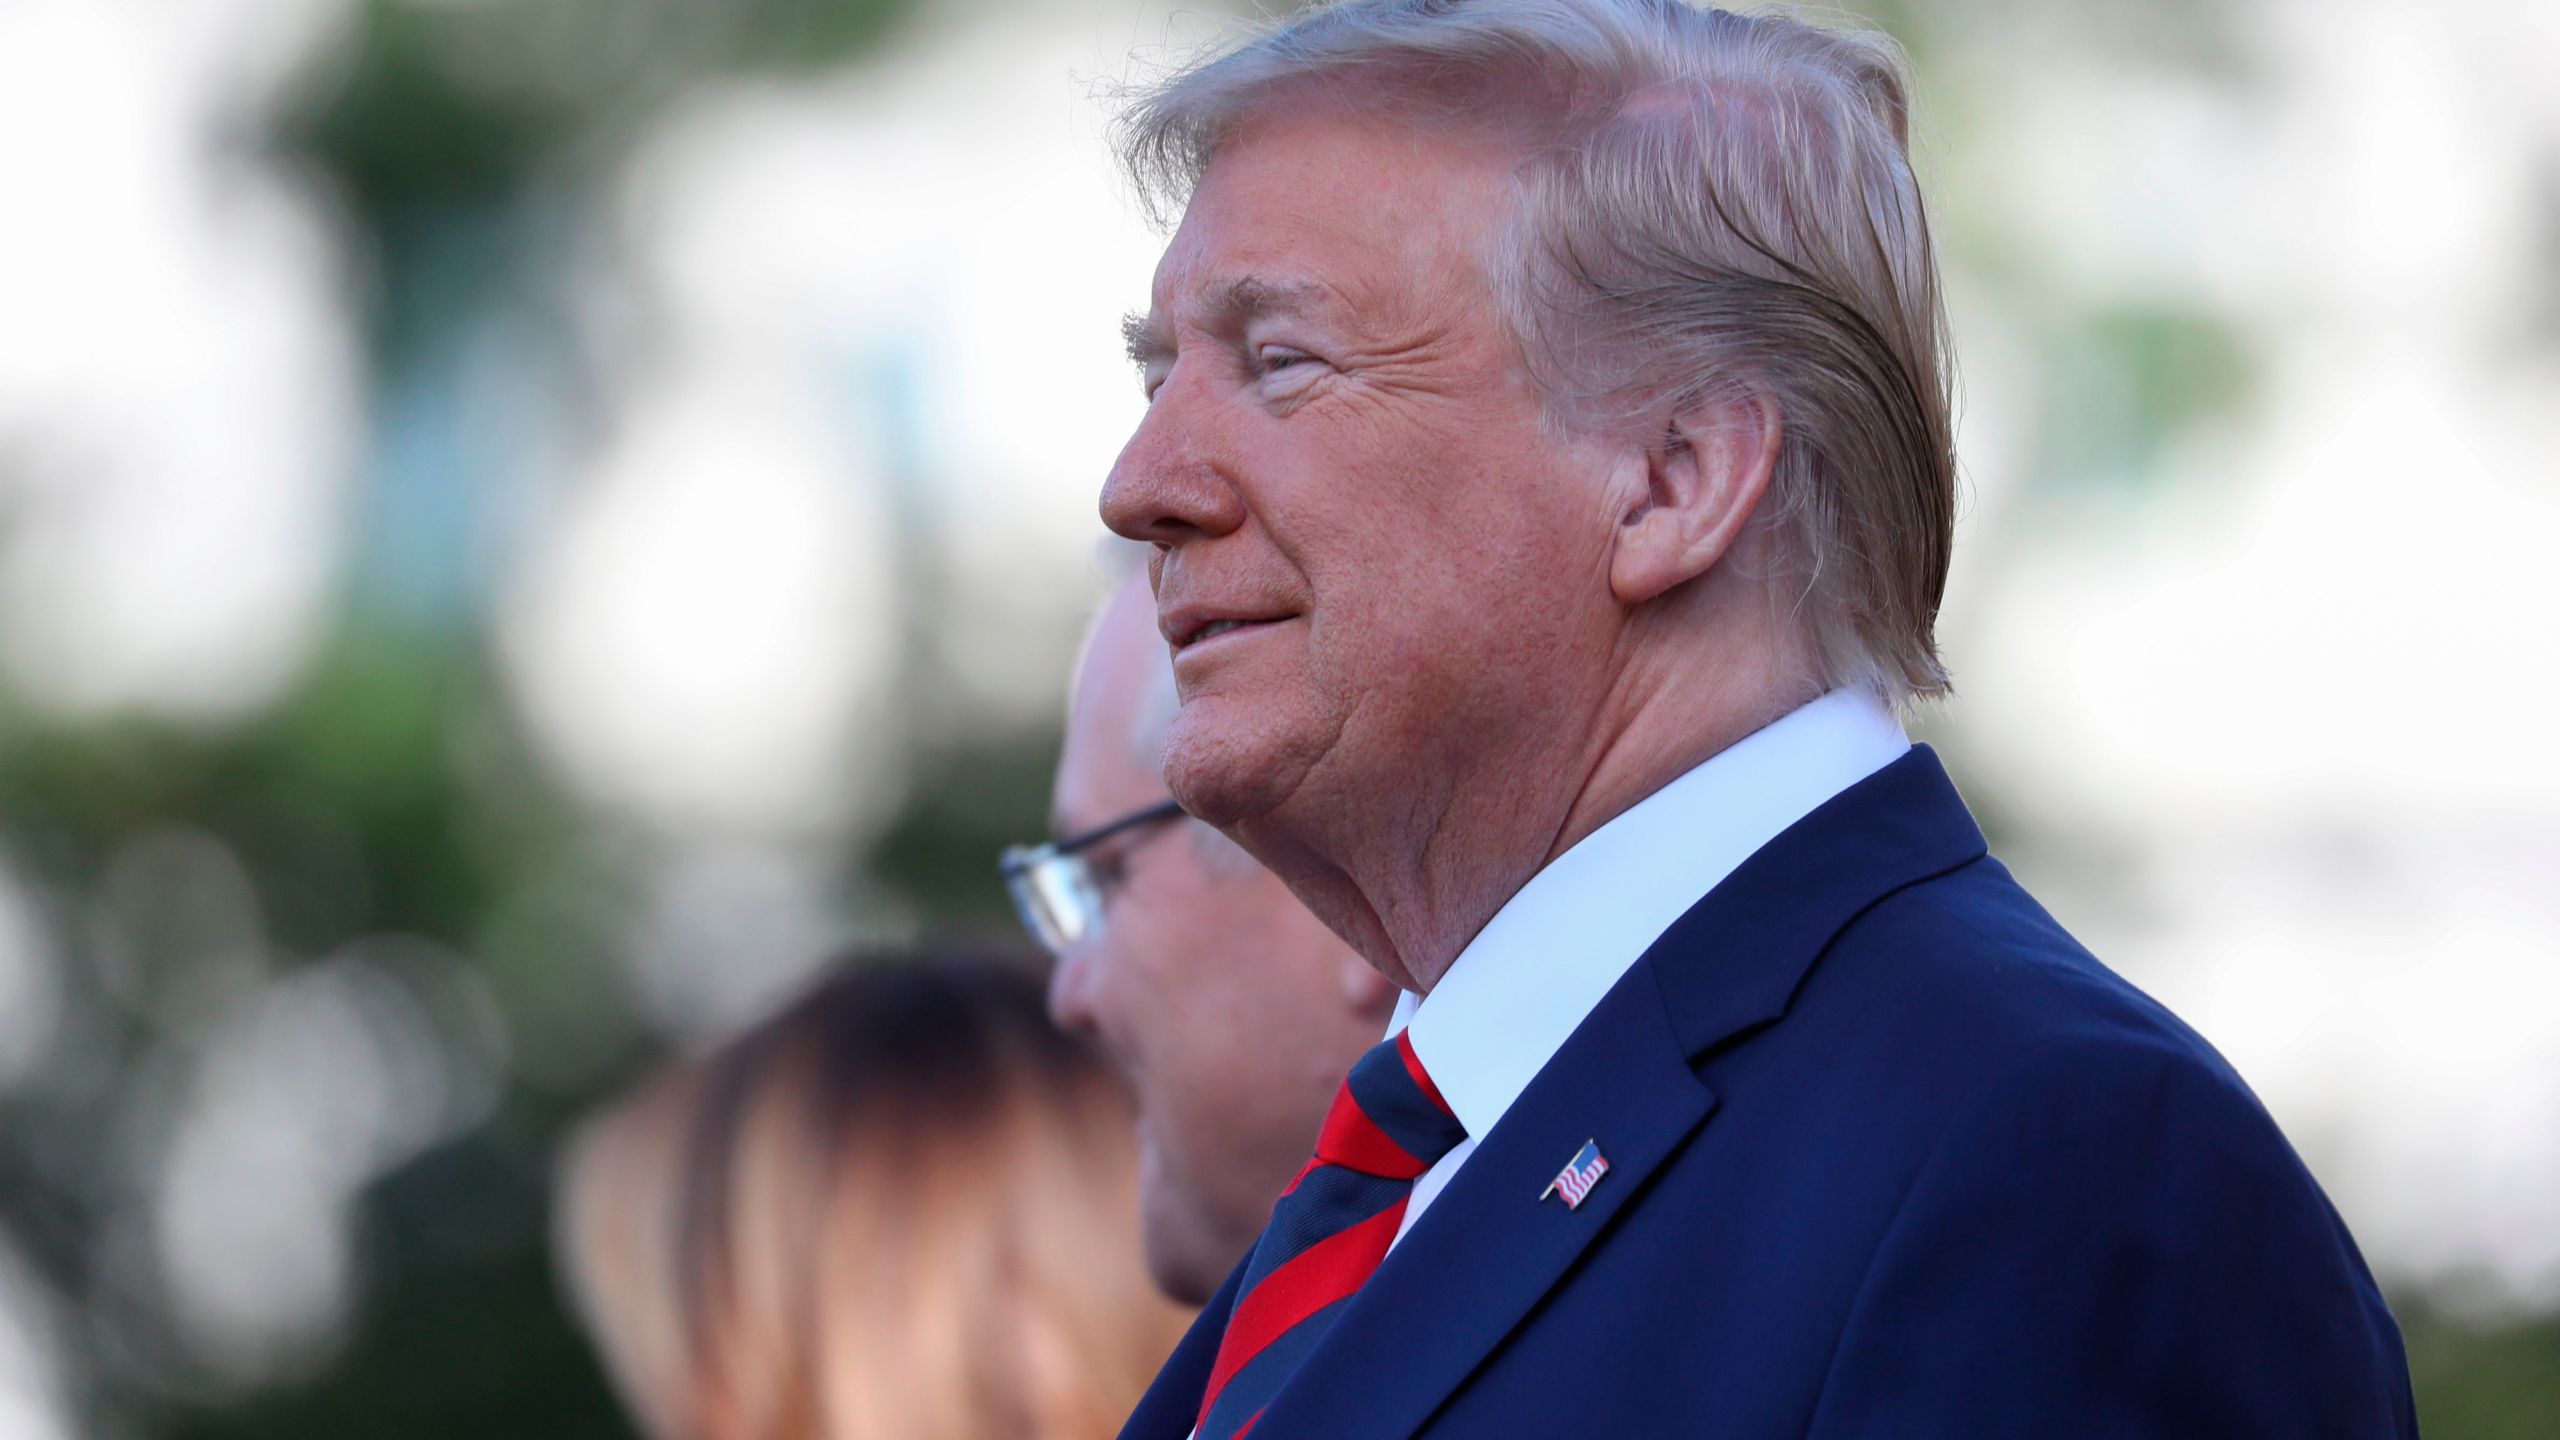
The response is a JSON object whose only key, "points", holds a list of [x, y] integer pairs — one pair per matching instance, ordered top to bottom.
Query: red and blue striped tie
{"points": [[1330, 1228]]}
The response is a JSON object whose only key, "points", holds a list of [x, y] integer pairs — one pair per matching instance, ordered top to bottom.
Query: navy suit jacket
{"points": [[1890, 1155]]}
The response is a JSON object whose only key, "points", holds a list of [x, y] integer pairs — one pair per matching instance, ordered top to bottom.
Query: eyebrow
{"points": [[1252, 296], [1232, 305], [1145, 338]]}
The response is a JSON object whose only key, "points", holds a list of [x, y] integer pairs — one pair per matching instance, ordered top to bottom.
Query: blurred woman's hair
{"points": [[903, 1208]]}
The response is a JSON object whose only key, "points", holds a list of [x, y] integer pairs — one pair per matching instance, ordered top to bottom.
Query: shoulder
{"points": [[1966, 976], [1953, 1024], [2001, 1188], [2093, 1214]]}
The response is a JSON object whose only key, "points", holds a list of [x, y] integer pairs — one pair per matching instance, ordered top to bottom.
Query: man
{"points": [[1548, 466], [1233, 1011]]}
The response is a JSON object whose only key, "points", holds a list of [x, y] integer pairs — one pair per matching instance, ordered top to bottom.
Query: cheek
{"points": [[1458, 521], [1443, 562], [1459, 597], [1175, 925], [1132, 995], [1189, 1112]]}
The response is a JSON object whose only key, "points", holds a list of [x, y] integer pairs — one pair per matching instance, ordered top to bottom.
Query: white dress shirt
{"points": [[1526, 981]]}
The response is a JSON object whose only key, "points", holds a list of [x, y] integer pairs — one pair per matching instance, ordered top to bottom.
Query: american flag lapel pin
{"points": [[1574, 1182]]}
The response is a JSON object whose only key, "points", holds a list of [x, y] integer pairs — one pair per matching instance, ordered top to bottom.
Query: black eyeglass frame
{"points": [[1017, 858], [1053, 892]]}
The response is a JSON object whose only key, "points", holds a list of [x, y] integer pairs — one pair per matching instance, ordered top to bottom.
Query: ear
{"points": [[1703, 481], [1365, 990]]}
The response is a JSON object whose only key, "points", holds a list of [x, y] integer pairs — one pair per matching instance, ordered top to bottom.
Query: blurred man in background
{"points": [[1233, 1010]]}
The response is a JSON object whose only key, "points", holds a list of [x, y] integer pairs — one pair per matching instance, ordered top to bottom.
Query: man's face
{"points": [[1376, 564], [1223, 1000]]}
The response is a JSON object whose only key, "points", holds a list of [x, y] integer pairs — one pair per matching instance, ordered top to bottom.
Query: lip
{"points": [[1188, 626]]}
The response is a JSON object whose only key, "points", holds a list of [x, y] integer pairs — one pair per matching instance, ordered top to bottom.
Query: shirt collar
{"points": [[1526, 981]]}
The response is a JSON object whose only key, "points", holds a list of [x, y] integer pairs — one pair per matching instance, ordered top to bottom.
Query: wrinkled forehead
{"points": [[1305, 209]]}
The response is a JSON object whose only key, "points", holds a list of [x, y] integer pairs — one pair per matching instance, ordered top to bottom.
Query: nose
{"points": [[1171, 482], [1071, 990]]}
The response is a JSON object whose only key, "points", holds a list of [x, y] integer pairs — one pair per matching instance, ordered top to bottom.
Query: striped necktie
{"points": [[1330, 1228]]}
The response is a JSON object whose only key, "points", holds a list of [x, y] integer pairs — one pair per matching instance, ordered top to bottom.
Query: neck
{"points": [[1410, 889]]}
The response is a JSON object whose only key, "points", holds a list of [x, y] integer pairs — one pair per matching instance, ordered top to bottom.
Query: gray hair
{"points": [[1706, 201]]}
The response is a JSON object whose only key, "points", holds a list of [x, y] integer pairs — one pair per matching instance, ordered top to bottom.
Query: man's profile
{"points": [[1550, 478]]}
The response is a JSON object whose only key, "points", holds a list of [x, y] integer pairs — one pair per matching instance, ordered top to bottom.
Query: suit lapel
{"points": [[1489, 1247], [1171, 1405]]}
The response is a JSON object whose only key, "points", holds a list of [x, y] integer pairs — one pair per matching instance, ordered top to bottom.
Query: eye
{"points": [[1273, 359], [1286, 376], [1109, 870]]}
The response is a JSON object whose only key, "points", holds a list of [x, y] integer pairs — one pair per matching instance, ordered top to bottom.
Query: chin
{"points": [[1228, 762], [1172, 1234]]}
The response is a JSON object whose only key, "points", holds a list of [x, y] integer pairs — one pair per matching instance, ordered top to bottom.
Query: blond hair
{"points": [[1705, 199], [902, 1209]]}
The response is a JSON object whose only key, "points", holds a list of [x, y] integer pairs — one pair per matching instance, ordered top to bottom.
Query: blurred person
{"points": [[1548, 461], [1234, 1011], [622, 1209], [900, 1209]]}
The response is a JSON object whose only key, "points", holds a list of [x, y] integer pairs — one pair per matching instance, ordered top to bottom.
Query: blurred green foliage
{"points": [[2133, 381], [390, 794], [2483, 1380]]}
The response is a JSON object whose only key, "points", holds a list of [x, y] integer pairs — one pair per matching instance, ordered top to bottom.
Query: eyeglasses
{"points": [[1055, 887]]}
